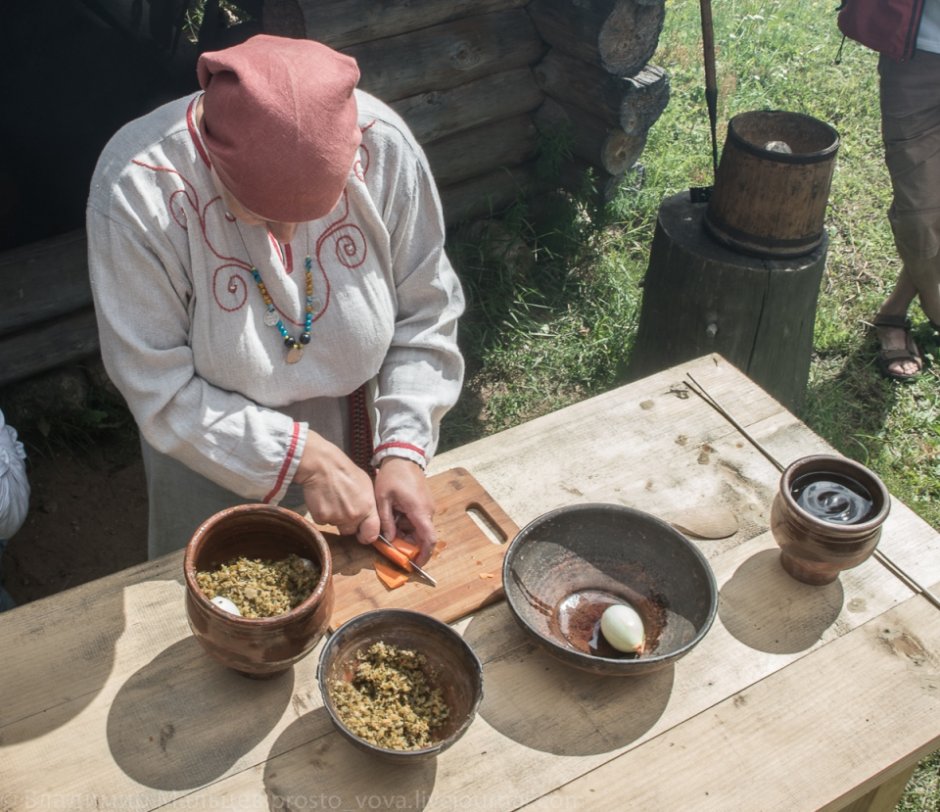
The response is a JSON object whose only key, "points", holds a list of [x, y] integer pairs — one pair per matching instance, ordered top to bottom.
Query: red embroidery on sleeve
{"points": [[409, 446], [291, 451]]}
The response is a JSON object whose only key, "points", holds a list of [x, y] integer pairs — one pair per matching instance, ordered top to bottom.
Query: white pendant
{"points": [[294, 354]]}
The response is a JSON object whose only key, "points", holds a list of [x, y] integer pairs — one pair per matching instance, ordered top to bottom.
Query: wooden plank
{"points": [[340, 23], [619, 36], [447, 55], [632, 103], [439, 113], [471, 153], [43, 280], [48, 345], [893, 665], [591, 719], [145, 744]]}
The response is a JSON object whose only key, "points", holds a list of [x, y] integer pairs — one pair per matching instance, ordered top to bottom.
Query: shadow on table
{"points": [[766, 609], [64, 690], [542, 703], [183, 720], [312, 767]]}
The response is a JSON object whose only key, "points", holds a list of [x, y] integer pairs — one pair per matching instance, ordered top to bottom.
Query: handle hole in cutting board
{"points": [[482, 519]]}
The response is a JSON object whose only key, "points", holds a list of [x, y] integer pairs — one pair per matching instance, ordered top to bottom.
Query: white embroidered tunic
{"points": [[182, 321]]}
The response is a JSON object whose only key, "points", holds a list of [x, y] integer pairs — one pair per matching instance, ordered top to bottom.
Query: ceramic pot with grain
{"points": [[815, 550], [257, 647]]}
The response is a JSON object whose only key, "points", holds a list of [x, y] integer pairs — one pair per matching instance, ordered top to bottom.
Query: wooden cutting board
{"points": [[467, 563]]}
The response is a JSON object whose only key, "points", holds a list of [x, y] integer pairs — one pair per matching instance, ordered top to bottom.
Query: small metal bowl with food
{"points": [[259, 588], [609, 589], [399, 684]]}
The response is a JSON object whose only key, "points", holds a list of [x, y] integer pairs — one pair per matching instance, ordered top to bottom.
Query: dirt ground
{"points": [[87, 518]]}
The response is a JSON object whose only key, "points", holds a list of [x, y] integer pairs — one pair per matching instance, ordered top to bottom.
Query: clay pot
{"points": [[814, 550], [565, 567], [257, 647], [452, 666]]}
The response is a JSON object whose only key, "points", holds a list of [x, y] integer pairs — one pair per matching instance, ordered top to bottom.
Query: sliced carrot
{"points": [[406, 547], [394, 554], [388, 575]]}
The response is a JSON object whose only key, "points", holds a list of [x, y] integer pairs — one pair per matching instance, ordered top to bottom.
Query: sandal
{"points": [[909, 353]]}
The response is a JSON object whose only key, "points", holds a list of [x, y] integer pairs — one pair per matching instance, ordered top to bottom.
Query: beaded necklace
{"points": [[295, 346]]}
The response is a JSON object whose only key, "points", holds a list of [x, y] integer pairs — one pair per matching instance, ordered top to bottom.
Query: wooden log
{"points": [[340, 23], [619, 36], [447, 55], [632, 103], [439, 113], [590, 138], [478, 151], [488, 195], [43, 280], [701, 297], [48, 345]]}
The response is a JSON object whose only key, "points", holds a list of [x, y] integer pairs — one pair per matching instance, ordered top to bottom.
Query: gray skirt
{"points": [[179, 500]]}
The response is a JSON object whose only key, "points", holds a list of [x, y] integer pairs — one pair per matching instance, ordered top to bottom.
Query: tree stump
{"points": [[702, 297]]}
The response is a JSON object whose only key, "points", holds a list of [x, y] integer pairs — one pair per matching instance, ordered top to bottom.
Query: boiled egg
{"points": [[226, 605], [622, 627]]}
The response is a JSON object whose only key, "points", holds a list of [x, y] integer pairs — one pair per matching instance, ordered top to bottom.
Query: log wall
{"points": [[456, 70], [482, 83]]}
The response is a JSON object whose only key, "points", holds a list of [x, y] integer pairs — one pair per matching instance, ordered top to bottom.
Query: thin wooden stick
{"points": [[700, 391], [881, 557], [892, 567]]}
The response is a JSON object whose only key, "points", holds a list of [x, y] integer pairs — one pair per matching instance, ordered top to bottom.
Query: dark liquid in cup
{"points": [[834, 498]]}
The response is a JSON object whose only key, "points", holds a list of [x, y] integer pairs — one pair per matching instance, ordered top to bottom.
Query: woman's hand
{"points": [[336, 490], [405, 505]]}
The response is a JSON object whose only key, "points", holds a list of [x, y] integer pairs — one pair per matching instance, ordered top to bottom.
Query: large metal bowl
{"points": [[566, 566], [452, 667]]}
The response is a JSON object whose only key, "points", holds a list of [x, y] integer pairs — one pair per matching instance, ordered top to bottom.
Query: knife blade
{"points": [[414, 566]]}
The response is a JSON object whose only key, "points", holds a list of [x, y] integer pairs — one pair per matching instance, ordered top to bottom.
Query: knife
{"points": [[414, 566]]}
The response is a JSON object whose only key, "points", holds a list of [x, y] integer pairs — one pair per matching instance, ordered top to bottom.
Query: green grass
{"points": [[554, 294]]}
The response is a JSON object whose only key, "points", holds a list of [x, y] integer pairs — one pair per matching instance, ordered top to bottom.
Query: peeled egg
{"points": [[226, 605], [622, 627]]}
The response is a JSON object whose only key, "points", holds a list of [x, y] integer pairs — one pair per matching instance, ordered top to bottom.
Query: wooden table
{"points": [[798, 698]]}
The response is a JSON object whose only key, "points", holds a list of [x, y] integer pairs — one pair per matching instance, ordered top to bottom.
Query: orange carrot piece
{"points": [[406, 547], [394, 554], [388, 575]]}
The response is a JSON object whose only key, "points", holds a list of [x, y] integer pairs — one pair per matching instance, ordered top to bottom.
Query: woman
{"points": [[273, 297]]}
